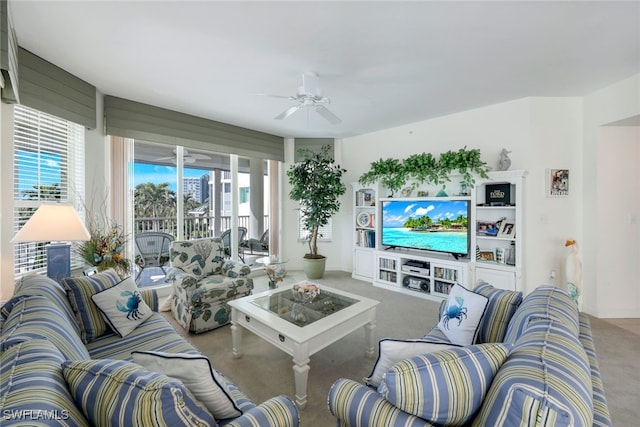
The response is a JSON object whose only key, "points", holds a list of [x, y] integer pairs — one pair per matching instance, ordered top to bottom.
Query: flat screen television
{"points": [[438, 225]]}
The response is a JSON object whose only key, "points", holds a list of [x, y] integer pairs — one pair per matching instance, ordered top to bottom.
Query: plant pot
{"points": [[314, 267]]}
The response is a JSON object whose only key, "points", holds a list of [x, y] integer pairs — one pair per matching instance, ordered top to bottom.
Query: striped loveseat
{"points": [[45, 363], [533, 364]]}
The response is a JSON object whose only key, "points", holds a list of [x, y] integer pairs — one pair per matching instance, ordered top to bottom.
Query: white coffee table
{"points": [[301, 329]]}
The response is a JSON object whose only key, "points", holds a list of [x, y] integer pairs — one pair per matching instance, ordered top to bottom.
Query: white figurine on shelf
{"points": [[505, 162], [573, 273]]}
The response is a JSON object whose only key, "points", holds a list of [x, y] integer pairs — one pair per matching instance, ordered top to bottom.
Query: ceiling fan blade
{"points": [[268, 95], [287, 112], [324, 112]]}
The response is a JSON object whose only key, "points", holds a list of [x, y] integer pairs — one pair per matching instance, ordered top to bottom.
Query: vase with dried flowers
{"points": [[105, 247]]}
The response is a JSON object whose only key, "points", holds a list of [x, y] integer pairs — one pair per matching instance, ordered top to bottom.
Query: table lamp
{"points": [[57, 224]]}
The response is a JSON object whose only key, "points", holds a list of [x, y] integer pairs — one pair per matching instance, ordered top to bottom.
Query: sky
{"points": [[158, 174], [395, 214]]}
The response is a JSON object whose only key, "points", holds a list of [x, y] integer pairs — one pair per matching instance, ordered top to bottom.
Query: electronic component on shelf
{"points": [[417, 267], [416, 283]]}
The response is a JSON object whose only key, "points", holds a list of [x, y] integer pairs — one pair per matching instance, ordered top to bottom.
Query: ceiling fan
{"points": [[309, 95], [187, 157]]}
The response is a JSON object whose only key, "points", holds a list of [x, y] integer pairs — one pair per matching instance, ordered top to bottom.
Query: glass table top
{"points": [[272, 260], [288, 305]]}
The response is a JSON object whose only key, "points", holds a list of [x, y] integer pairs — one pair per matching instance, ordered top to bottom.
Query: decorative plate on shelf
{"points": [[364, 219]]}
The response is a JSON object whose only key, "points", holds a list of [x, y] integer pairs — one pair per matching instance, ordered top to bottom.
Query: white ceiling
{"points": [[382, 64]]}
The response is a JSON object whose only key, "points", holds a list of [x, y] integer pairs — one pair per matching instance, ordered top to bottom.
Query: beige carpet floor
{"points": [[264, 371]]}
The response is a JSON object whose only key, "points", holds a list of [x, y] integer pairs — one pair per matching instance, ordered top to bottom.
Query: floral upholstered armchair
{"points": [[203, 282]]}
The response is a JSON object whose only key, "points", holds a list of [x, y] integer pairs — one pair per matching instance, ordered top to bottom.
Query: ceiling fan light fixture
{"points": [[309, 95]]}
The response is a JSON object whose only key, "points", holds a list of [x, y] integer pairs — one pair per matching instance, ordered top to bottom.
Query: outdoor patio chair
{"points": [[226, 241], [257, 245], [152, 250]]}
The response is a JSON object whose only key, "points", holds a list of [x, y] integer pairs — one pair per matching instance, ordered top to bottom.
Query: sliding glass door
{"points": [[190, 193]]}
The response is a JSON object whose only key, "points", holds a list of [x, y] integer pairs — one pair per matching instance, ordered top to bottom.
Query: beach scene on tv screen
{"points": [[426, 224]]}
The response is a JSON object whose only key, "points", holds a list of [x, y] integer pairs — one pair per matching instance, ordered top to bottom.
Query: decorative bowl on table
{"points": [[305, 292]]}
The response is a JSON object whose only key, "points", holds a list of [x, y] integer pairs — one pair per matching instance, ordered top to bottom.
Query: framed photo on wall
{"points": [[557, 184]]}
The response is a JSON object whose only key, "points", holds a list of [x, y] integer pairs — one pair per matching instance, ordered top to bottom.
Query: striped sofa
{"points": [[40, 338], [549, 374]]}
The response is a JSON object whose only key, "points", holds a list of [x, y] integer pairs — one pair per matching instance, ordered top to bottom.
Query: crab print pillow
{"points": [[122, 307], [462, 315]]}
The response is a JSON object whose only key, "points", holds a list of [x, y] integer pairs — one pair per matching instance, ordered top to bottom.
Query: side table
{"points": [[274, 268]]}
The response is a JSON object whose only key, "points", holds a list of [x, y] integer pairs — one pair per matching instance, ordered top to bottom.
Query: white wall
{"points": [[605, 106], [541, 133], [618, 233]]}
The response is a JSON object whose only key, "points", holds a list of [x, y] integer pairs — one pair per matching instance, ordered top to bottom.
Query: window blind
{"points": [[8, 56], [50, 89], [132, 119], [48, 165], [324, 233]]}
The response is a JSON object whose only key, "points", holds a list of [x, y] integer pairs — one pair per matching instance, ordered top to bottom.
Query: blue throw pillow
{"points": [[79, 292], [122, 307], [500, 309], [462, 315], [392, 351], [446, 387], [121, 393]]}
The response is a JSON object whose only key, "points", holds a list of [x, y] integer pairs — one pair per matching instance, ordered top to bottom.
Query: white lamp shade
{"points": [[53, 223]]}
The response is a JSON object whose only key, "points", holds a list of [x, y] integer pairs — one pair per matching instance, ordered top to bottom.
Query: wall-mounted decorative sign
{"points": [[557, 184]]}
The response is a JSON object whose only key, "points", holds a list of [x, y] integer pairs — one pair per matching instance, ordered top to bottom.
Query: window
{"points": [[48, 165], [244, 194], [324, 233]]}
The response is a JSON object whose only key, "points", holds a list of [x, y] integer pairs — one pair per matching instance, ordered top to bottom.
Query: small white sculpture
{"points": [[505, 162], [406, 191], [573, 273]]}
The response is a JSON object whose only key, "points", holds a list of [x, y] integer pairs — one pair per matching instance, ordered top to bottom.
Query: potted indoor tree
{"points": [[316, 183]]}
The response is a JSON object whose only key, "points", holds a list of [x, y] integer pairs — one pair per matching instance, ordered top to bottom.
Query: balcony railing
{"points": [[193, 227]]}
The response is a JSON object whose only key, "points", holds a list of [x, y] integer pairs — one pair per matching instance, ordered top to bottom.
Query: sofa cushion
{"points": [[37, 284], [79, 291], [548, 302], [122, 307], [500, 309], [462, 315], [37, 316], [154, 334], [392, 351], [197, 374], [546, 381], [32, 387], [446, 387], [130, 395]]}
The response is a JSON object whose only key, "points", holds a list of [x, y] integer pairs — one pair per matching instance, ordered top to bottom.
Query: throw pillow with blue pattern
{"points": [[122, 307], [462, 315], [392, 351], [446, 387], [120, 393]]}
